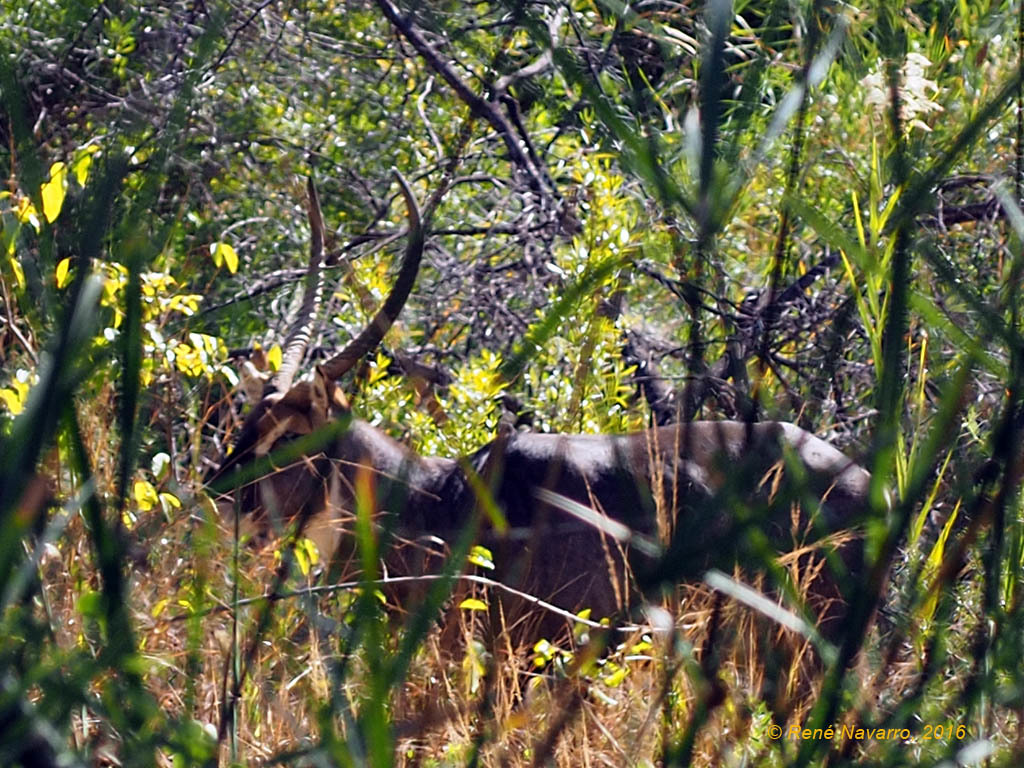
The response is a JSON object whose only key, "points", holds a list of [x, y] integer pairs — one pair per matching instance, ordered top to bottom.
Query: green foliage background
{"points": [[687, 165]]}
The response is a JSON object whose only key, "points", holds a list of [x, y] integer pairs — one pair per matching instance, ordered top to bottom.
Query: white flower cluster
{"points": [[917, 92]]}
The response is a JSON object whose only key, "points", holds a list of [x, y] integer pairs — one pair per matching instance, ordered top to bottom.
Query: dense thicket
{"points": [[646, 212]]}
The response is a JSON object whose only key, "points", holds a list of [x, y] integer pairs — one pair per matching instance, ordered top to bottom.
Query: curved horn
{"points": [[302, 327], [372, 334]]}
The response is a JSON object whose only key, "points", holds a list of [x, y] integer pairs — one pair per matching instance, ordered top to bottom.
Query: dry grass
{"points": [[463, 689], [466, 690]]}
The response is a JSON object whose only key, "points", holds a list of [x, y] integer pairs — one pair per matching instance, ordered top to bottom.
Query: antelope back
{"points": [[696, 487], [699, 488]]}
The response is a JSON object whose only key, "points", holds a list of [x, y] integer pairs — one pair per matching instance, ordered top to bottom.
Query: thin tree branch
{"points": [[477, 104]]}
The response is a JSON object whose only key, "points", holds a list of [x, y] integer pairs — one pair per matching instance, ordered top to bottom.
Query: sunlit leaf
{"points": [[81, 164], [52, 191], [26, 213], [225, 254], [63, 268], [19, 273], [274, 357], [188, 360], [379, 369], [12, 400], [159, 464], [145, 495], [169, 500], [306, 555], [482, 557], [302, 560], [933, 564], [159, 607], [543, 651], [616, 677]]}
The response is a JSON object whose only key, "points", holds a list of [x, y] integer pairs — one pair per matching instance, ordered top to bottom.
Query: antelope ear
{"points": [[252, 381], [333, 396], [319, 401]]}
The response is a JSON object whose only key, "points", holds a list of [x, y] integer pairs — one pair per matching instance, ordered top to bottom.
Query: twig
{"points": [[538, 65], [477, 104], [348, 586]]}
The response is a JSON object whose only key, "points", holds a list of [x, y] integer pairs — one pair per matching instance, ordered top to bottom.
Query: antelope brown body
{"points": [[699, 487]]}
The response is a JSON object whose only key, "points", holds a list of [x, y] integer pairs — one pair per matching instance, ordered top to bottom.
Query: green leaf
{"points": [[82, 163], [89, 604]]}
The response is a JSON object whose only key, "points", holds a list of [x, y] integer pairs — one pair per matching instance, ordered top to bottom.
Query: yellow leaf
{"points": [[80, 167], [53, 191], [26, 212], [223, 253], [230, 258], [63, 267], [19, 274], [274, 357], [188, 360], [379, 368], [11, 399], [145, 495], [170, 500], [306, 555], [482, 557], [302, 560], [933, 563], [472, 604], [544, 651], [616, 677]]}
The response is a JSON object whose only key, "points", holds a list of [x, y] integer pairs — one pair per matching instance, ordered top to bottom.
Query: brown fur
{"points": [[674, 484]]}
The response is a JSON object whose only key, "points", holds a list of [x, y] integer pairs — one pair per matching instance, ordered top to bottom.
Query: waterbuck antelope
{"points": [[576, 505]]}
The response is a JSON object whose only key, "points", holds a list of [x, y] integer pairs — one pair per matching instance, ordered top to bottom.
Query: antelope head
{"points": [[282, 485]]}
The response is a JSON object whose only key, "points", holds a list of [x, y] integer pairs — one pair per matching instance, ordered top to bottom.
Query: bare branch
{"points": [[538, 65], [480, 106]]}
